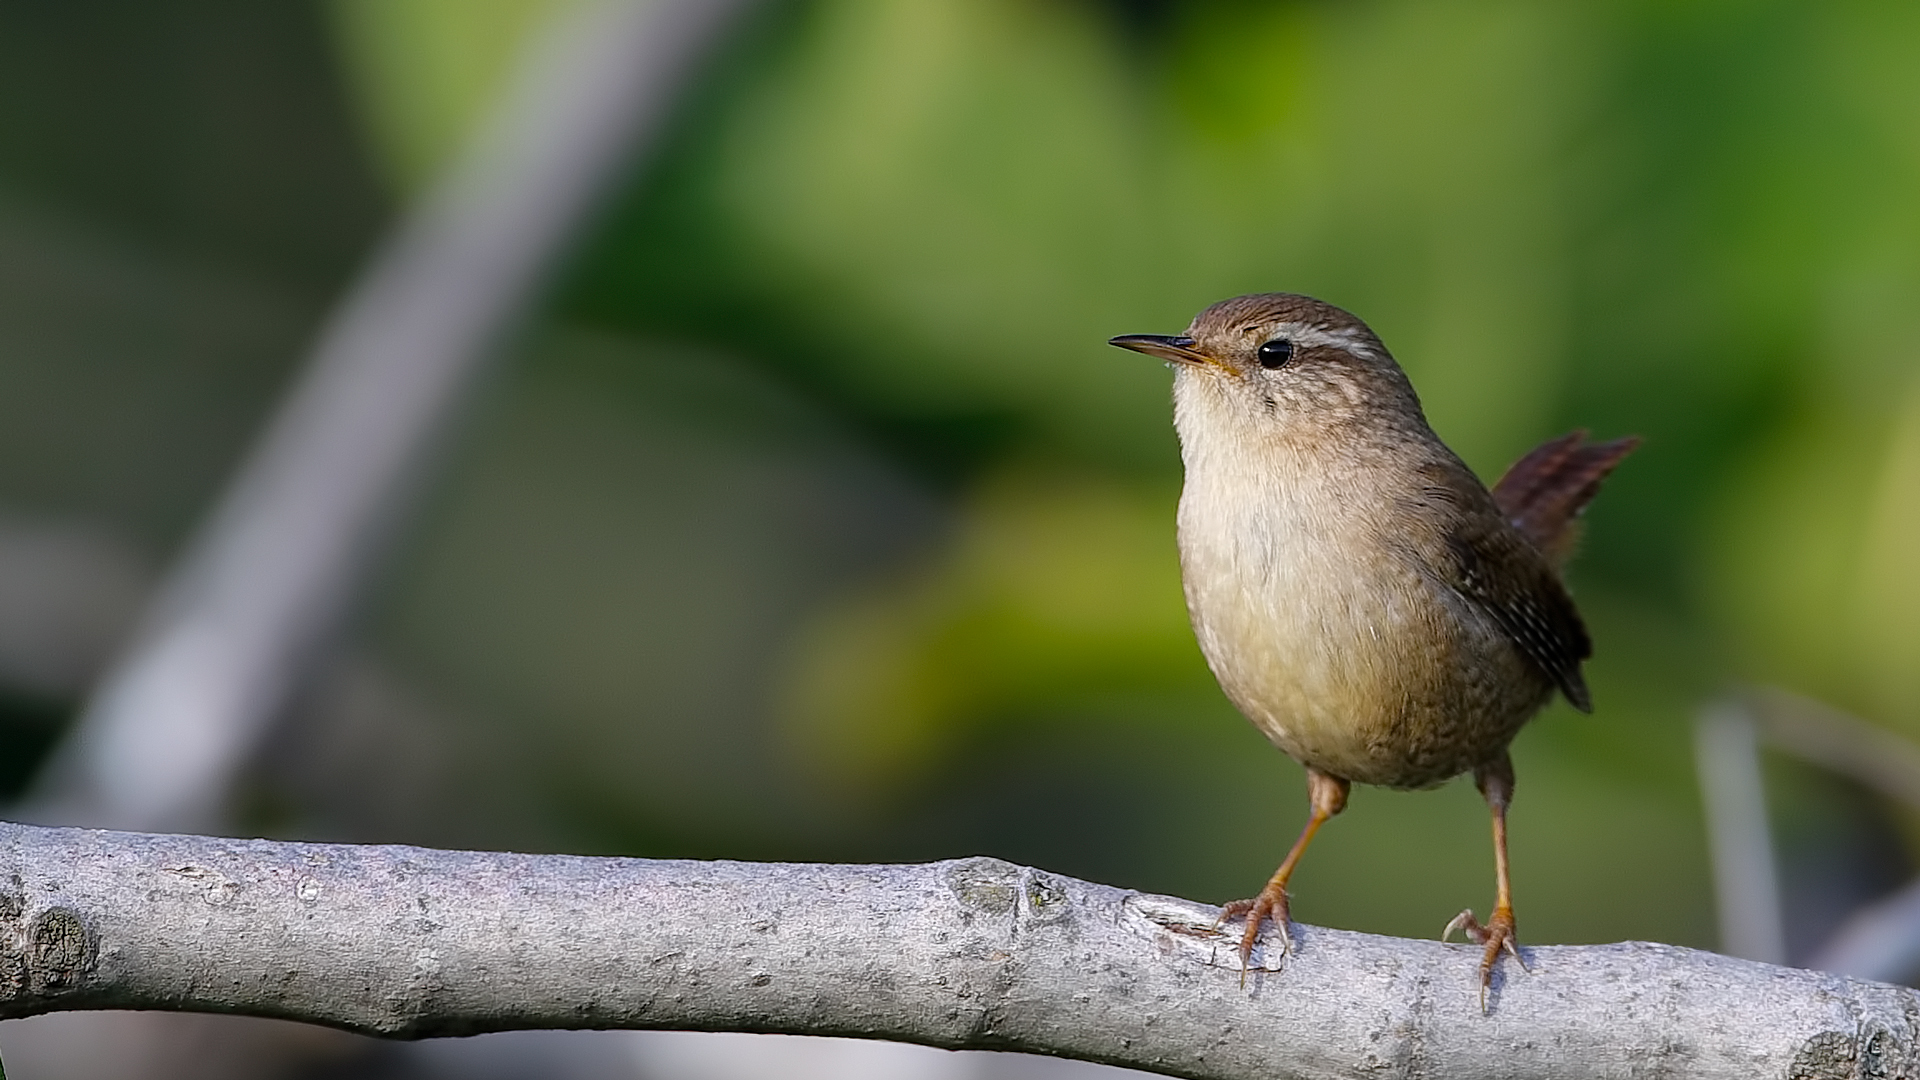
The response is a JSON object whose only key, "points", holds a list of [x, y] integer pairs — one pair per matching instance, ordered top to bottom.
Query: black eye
{"points": [[1276, 353]]}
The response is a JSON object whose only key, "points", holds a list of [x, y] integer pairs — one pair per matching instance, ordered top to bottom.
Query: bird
{"points": [[1377, 612]]}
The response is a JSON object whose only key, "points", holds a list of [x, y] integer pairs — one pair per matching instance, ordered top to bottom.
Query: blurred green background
{"points": [[814, 519]]}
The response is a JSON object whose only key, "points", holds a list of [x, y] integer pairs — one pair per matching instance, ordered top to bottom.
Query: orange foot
{"points": [[1270, 904], [1496, 935]]}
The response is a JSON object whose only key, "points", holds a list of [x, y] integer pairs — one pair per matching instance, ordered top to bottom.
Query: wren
{"points": [[1372, 608]]}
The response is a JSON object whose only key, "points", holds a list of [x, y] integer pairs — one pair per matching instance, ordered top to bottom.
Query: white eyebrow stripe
{"points": [[1305, 336]]}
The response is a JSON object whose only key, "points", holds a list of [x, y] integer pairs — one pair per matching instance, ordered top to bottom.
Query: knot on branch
{"points": [[984, 886], [994, 887], [45, 956], [1874, 1053]]}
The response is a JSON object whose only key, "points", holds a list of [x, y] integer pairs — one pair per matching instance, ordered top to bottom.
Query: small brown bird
{"points": [[1372, 608]]}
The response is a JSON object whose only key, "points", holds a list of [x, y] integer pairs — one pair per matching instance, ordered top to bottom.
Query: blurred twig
{"points": [[283, 556], [1867, 754], [1746, 885], [1882, 940], [974, 953]]}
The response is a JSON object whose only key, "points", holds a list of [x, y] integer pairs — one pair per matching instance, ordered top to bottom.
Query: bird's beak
{"points": [[1178, 349]]}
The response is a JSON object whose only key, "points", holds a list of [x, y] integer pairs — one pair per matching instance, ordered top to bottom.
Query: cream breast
{"points": [[1309, 616]]}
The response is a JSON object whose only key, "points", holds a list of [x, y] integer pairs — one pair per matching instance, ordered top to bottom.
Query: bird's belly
{"points": [[1353, 662]]}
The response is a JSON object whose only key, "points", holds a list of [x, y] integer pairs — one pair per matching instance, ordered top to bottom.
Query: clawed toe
{"points": [[1271, 904], [1232, 909], [1465, 923], [1497, 934]]}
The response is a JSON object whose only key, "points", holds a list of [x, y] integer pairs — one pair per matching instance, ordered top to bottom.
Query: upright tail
{"points": [[1544, 492]]}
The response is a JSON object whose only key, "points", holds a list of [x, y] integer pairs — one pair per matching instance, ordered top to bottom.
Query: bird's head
{"points": [[1280, 361]]}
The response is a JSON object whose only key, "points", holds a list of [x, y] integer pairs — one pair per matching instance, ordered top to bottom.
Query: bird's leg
{"points": [[1495, 781], [1326, 796]]}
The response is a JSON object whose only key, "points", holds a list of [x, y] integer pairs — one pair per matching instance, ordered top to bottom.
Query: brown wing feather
{"points": [[1543, 494], [1494, 570]]}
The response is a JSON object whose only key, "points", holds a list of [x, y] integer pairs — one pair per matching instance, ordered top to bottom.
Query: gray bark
{"points": [[973, 953]]}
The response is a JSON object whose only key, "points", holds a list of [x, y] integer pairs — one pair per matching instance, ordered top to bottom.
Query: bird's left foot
{"points": [[1271, 904], [1497, 934]]}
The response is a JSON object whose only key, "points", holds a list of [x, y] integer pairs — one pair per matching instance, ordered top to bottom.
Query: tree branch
{"points": [[974, 953]]}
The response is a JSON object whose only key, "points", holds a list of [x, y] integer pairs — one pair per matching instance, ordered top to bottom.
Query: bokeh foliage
{"points": [[1689, 220]]}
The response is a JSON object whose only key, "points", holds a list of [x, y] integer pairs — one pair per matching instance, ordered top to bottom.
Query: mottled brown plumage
{"points": [[1374, 610]]}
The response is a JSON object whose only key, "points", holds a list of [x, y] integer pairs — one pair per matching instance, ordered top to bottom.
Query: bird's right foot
{"points": [[1270, 904], [1496, 935]]}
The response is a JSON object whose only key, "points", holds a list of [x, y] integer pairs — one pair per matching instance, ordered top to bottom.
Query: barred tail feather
{"points": [[1544, 492]]}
